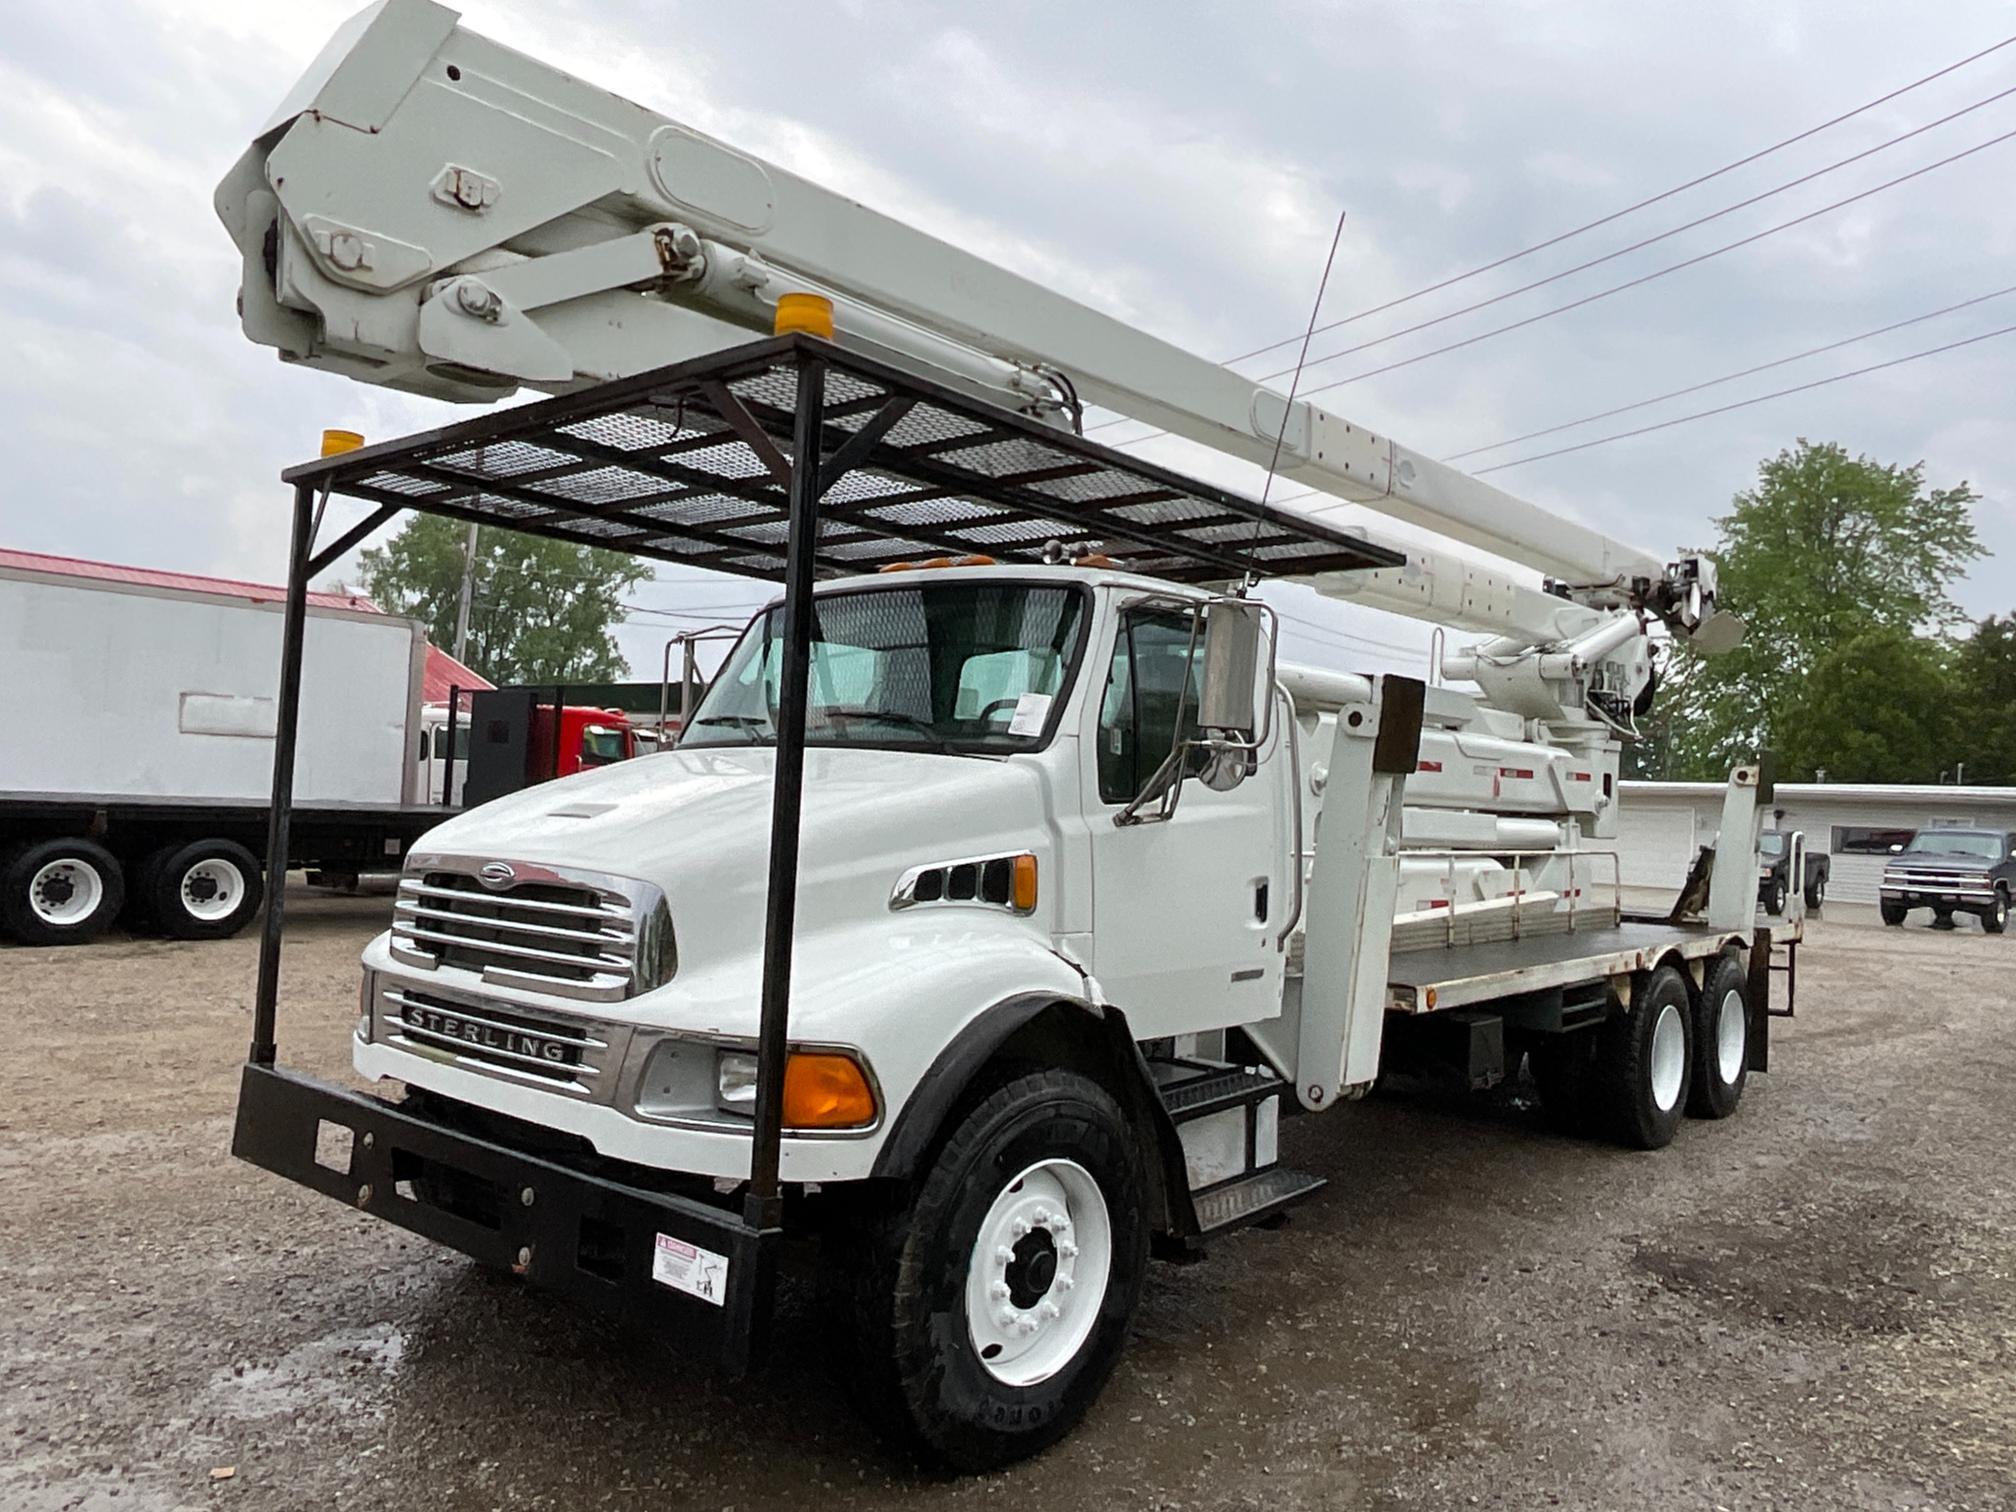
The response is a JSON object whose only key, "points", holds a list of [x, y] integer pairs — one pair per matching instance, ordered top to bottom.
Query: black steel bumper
{"points": [[639, 1255]]}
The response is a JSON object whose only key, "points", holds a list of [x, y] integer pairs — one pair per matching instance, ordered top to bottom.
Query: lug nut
{"points": [[1020, 1228], [1067, 1251], [1003, 1253], [1065, 1283], [998, 1291], [1052, 1310], [1007, 1319]]}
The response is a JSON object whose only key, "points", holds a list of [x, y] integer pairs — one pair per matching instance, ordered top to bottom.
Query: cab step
{"points": [[1213, 1091], [1250, 1199]]}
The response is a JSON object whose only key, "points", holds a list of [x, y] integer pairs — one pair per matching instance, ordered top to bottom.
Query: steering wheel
{"points": [[999, 704]]}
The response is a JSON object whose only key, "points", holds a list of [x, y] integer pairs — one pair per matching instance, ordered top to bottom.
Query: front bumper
{"points": [[1924, 891], [696, 1274]]}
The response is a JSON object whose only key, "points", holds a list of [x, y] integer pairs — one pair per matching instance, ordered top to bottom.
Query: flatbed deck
{"points": [[1455, 976]]}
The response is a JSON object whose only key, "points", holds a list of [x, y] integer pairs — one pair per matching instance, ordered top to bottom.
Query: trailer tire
{"points": [[204, 890], [60, 892], [1721, 1040], [1643, 1062], [1048, 1153]]}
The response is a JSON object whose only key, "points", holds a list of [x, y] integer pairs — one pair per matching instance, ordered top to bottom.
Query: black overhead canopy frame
{"points": [[787, 460]]}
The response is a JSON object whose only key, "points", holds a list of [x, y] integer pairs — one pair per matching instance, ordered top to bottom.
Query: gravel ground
{"points": [[1810, 1306]]}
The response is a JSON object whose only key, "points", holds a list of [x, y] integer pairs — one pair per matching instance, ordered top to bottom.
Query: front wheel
{"points": [[1774, 901], [1893, 913], [1996, 919], [987, 1312]]}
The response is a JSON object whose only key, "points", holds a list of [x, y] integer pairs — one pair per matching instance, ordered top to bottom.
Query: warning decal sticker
{"points": [[688, 1268]]}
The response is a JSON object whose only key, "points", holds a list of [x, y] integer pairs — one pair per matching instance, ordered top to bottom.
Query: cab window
{"points": [[1155, 673]]}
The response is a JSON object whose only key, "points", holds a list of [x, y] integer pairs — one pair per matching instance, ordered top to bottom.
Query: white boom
{"points": [[434, 212]]}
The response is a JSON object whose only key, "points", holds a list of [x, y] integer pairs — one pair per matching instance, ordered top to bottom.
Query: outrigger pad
{"points": [[697, 1275]]}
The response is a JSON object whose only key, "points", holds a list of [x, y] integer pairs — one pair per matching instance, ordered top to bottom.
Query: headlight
{"points": [[823, 1089]]}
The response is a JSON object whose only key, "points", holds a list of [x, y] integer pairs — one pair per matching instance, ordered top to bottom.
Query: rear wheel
{"points": [[205, 890], [60, 892], [1816, 893], [1996, 918], [1721, 1041], [1643, 1058], [988, 1310]]}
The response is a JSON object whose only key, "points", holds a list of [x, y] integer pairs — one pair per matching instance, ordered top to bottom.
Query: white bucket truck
{"points": [[1003, 896]]}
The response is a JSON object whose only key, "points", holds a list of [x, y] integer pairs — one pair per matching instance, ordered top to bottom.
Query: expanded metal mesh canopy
{"points": [[691, 463]]}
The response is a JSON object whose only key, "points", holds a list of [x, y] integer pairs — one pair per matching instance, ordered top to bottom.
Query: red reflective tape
{"points": [[1429, 766], [1515, 772], [1580, 777]]}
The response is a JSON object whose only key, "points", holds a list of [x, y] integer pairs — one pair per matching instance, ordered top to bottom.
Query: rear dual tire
{"points": [[202, 890], [59, 892], [1721, 1040], [1643, 1066]]}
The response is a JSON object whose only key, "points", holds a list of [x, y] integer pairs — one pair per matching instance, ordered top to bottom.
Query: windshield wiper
{"points": [[754, 724], [923, 727]]}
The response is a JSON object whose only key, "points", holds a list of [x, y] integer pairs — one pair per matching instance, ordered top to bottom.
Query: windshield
{"points": [[966, 667], [601, 744], [1955, 843], [1770, 844]]}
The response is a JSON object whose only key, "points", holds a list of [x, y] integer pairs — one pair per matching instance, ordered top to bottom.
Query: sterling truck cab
{"points": [[582, 954]]}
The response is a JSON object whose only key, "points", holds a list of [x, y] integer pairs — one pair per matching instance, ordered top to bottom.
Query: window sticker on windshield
{"points": [[1032, 711], [688, 1268]]}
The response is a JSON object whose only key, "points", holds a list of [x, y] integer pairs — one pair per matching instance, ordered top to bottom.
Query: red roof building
{"points": [[441, 673]]}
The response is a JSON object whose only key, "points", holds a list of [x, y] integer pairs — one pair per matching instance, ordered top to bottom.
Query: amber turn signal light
{"points": [[823, 1091]]}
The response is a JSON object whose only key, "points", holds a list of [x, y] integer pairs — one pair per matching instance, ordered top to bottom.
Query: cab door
{"points": [[1186, 911]]}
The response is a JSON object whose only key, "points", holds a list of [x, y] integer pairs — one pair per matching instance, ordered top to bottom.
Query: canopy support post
{"points": [[293, 631], [764, 1208]]}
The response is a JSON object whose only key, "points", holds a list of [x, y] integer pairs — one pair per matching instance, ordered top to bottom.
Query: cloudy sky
{"points": [[1180, 165]]}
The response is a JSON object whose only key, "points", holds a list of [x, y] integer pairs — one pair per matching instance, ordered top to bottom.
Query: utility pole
{"points": [[468, 592]]}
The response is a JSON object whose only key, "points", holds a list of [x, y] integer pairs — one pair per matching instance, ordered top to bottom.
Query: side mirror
{"points": [[1233, 637]]}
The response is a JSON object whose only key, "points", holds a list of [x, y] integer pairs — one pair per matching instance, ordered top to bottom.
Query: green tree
{"points": [[1825, 550], [543, 610], [1985, 681], [1877, 708]]}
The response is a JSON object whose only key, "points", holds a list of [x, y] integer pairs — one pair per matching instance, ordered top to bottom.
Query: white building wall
{"points": [[1845, 821]]}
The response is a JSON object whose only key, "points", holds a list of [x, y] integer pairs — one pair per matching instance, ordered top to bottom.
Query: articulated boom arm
{"points": [[435, 212]]}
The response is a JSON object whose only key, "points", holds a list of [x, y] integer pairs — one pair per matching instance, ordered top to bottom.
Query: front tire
{"points": [[60, 892], [1774, 902], [1893, 913], [1996, 919], [1721, 1041], [1644, 1061], [987, 1311]]}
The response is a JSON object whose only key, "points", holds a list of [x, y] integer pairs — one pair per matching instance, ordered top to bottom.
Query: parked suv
{"points": [[1952, 871], [1774, 873]]}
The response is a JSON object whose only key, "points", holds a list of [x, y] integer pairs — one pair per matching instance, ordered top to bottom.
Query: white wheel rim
{"points": [[212, 889], [66, 892], [1732, 1033], [1669, 1058], [1038, 1273]]}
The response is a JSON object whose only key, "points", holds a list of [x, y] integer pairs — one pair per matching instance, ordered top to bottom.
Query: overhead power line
{"points": [[1631, 209], [1640, 245], [1656, 273], [1600, 294], [1748, 372], [1723, 409]]}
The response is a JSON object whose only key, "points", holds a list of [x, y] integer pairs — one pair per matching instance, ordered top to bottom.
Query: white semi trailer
{"points": [[136, 765], [993, 910]]}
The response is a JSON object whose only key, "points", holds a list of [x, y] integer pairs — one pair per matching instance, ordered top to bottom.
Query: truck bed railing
{"points": [[1518, 899]]}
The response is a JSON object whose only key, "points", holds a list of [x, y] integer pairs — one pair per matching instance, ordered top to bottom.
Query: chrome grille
{"points": [[1928, 880], [570, 934], [570, 1056]]}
